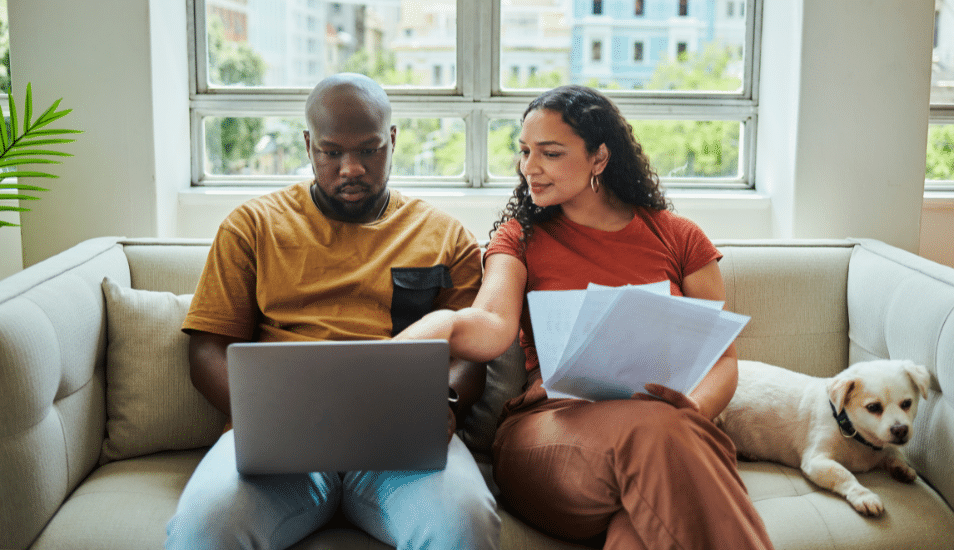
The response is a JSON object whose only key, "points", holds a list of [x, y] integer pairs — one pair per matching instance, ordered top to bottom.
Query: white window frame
{"points": [[477, 97], [940, 113]]}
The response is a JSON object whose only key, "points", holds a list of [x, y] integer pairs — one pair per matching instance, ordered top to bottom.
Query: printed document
{"points": [[609, 342]]}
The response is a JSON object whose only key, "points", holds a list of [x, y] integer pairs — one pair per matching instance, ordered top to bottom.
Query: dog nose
{"points": [[899, 431]]}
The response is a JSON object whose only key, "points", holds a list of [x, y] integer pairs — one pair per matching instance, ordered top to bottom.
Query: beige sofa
{"points": [[100, 428]]}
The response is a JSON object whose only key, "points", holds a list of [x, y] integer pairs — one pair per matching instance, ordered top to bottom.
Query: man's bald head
{"points": [[347, 100], [350, 141]]}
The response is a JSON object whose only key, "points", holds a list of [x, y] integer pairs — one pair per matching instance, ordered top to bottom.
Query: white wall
{"points": [[121, 65], [842, 129], [937, 229], [11, 255]]}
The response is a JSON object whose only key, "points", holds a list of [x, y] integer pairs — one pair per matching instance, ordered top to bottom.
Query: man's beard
{"points": [[351, 211]]}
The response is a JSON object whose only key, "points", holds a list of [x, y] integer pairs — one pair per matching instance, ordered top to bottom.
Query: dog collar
{"points": [[847, 429]]}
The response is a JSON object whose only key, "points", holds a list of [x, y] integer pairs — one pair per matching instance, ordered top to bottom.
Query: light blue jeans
{"points": [[436, 509]]}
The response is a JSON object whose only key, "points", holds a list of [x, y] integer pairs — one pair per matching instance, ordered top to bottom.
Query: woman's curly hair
{"points": [[597, 120]]}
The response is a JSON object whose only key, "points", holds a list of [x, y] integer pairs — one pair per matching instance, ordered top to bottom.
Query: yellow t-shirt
{"points": [[280, 270]]}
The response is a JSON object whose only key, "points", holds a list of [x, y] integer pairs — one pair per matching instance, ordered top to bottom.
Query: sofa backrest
{"points": [[166, 265], [795, 293], [52, 349]]}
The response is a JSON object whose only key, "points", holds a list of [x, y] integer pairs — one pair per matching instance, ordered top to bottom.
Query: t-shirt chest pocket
{"points": [[415, 289]]}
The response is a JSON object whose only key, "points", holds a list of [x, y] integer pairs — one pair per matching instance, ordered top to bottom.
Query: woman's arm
{"points": [[485, 330], [717, 388]]}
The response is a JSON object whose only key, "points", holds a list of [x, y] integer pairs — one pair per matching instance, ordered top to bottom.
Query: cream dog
{"points": [[829, 427]]}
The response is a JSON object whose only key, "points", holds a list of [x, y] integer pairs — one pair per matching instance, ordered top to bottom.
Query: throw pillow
{"points": [[151, 404]]}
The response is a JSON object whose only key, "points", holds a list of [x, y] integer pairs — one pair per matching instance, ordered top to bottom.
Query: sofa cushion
{"points": [[151, 404], [123, 505], [799, 514]]}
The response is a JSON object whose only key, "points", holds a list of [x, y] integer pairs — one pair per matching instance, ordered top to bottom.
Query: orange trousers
{"points": [[649, 475]]}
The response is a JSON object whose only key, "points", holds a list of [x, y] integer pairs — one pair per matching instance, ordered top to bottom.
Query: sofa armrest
{"points": [[901, 306], [52, 353]]}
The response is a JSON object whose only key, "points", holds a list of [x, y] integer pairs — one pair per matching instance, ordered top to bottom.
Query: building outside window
{"points": [[4, 55], [257, 60]]}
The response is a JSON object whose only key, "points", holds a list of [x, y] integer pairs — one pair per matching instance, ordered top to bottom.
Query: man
{"points": [[318, 260]]}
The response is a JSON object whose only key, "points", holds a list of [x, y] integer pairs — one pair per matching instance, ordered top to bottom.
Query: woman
{"points": [[651, 472]]}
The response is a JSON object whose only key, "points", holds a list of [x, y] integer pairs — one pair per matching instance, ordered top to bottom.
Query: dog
{"points": [[829, 427]]}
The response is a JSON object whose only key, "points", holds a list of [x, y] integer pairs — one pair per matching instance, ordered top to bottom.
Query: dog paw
{"points": [[902, 472], [866, 502]]}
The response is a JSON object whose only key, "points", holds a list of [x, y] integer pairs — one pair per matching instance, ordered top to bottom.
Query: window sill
{"points": [[695, 199], [939, 200], [721, 214]]}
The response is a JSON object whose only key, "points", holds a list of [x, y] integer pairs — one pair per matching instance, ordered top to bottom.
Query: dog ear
{"points": [[919, 375], [839, 390]]}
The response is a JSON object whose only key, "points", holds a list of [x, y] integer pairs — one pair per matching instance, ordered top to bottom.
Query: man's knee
{"points": [[253, 515], [465, 517], [207, 526]]}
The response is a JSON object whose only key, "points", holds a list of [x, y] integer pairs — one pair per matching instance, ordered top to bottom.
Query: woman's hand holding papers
{"points": [[674, 398]]}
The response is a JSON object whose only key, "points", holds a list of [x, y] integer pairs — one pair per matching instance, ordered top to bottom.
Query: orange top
{"points": [[563, 255]]}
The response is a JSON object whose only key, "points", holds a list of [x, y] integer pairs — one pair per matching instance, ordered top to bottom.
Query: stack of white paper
{"points": [[609, 342]]}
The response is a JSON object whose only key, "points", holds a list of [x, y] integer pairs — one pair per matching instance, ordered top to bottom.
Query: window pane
{"points": [[536, 33], [296, 43], [4, 48], [698, 50], [942, 73], [256, 146], [274, 146], [429, 147], [676, 148], [691, 148], [502, 150], [940, 152]]}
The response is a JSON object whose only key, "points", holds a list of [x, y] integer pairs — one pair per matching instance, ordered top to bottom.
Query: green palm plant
{"points": [[28, 147]]}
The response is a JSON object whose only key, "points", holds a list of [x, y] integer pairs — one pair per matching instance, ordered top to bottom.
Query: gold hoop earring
{"points": [[594, 183]]}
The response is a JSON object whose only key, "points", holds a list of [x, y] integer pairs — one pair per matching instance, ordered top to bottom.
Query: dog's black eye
{"points": [[906, 404], [874, 408]]}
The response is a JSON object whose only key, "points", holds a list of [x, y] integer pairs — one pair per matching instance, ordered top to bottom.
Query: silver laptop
{"points": [[339, 406]]}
